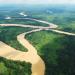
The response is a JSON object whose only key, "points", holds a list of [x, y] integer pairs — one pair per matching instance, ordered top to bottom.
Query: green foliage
{"points": [[65, 19], [9, 36], [57, 51], [8, 67], [3, 69]]}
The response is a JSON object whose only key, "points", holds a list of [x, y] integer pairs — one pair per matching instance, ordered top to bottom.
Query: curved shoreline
{"points": [[38, 65]]}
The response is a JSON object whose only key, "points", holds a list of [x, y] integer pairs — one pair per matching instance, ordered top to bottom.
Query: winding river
{"points": [[38, 65]]}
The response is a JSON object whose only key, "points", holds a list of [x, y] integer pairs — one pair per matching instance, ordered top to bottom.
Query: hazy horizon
{"points": [[37, 2]]}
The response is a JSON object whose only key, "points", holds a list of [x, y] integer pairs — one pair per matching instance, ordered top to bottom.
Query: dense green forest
{"points": [[65, 21], [9, 36], [57, 51], [8, 67]]}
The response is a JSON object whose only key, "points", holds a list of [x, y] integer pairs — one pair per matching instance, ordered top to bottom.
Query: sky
{"points": [[37, 1]]}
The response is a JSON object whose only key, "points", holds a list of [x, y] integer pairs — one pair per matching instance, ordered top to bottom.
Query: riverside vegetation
{"points": [[57, 51]]}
